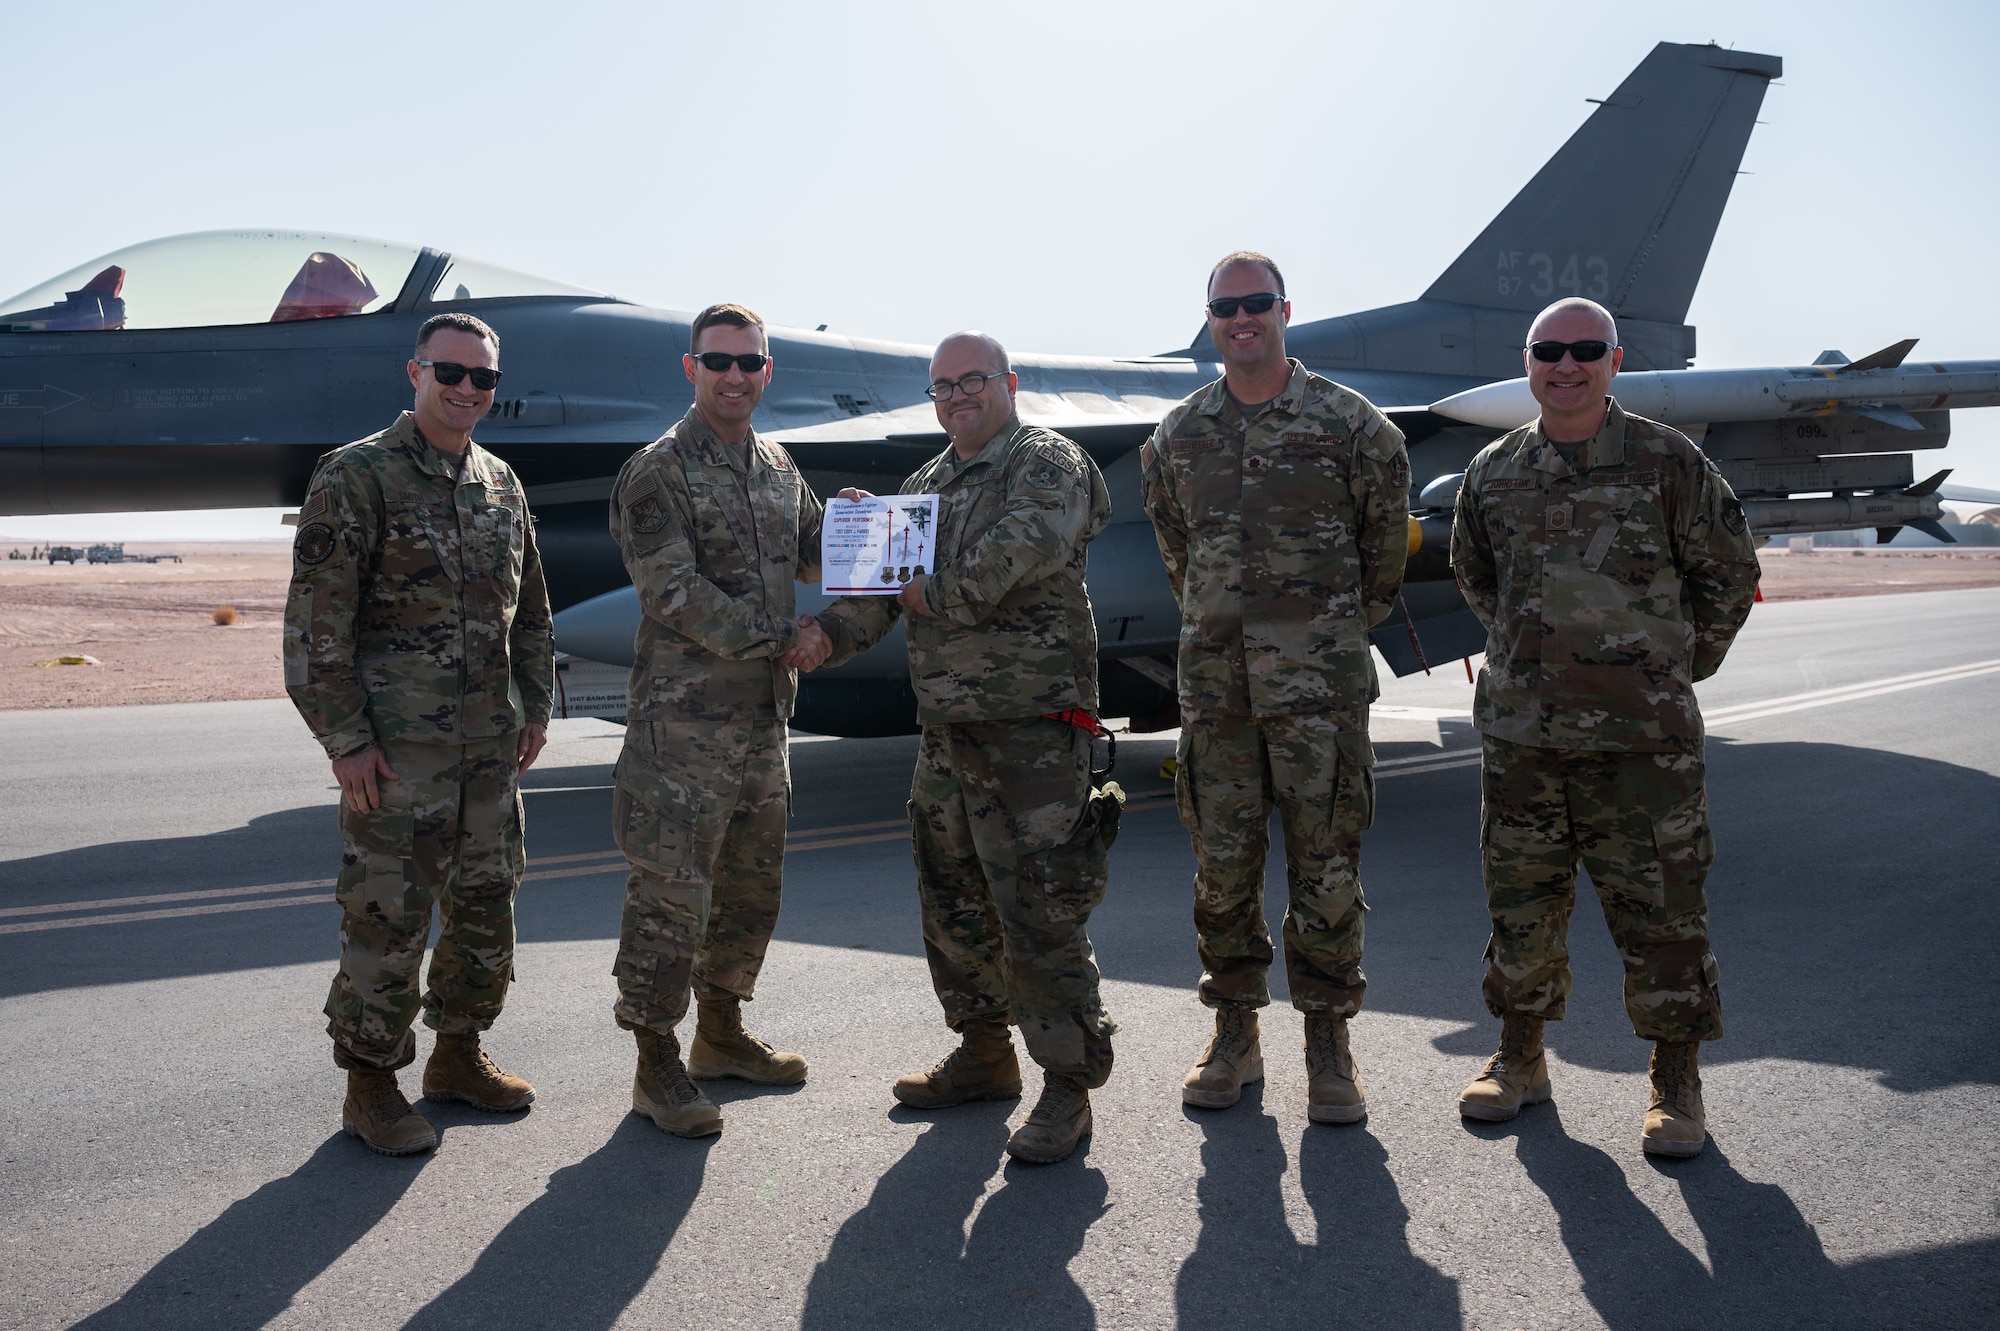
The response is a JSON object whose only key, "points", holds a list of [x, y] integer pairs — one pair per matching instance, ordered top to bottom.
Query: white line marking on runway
{"points": [[1799, 702], [893, 829], [36, 926]]}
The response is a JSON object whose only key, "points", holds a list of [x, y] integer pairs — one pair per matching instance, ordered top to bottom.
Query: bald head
{"points": [[1573, 320], [981, 350], [1573, 389], [972, 416]]}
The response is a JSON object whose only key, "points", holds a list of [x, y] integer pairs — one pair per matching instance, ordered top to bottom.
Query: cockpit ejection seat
{"points": [[326, 287]]}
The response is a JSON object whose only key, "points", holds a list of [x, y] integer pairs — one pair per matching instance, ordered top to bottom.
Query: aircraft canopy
{"points": [[251, 277]]}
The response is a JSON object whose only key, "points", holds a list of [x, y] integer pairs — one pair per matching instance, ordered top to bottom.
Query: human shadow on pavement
{"points": [[1851, 920], [579, 1254], [905, 1259], [1766, 1265], [245, 1267], [1249, 1269]]}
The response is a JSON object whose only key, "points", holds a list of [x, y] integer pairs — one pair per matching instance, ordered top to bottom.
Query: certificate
{"points": [[872, 547]]}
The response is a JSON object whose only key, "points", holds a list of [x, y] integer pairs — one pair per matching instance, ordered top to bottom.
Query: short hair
{"points": [[1247, 256], [1578, 304], [729, 316], [464, 323], [987, 340]]}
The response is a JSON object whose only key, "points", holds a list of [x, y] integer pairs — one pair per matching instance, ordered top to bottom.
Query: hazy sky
{"points": [[1061, 174]]}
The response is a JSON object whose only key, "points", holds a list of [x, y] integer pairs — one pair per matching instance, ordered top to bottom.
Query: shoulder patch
{"points": [[1399, 470], [1045, 475], [315, 505], [646, 514], [1732, 516], [315, 543]]}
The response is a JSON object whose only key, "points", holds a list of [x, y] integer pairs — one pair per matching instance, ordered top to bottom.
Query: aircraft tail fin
{"points": [[1625, 212]]}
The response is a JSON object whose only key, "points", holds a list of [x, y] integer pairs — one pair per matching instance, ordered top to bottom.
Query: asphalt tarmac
{"points": [[170, 1153]]}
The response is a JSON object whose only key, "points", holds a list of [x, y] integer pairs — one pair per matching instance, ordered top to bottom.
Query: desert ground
{"points": [[151, 630]]}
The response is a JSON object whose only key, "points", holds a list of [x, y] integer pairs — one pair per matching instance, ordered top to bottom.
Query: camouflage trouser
{"points": [[1230, 772], [699, 810], [1639, 824], [448, 831], [1009, 866]]}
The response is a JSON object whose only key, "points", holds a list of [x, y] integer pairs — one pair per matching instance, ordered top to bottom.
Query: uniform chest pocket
{"points": [[1210, 480], [774, 503], [966, 511], [1517, 517], [1621, 530], [503, 534], [414, 537]]}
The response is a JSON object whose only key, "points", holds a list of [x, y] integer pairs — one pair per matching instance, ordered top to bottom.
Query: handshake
{"points": [[811, 648]]}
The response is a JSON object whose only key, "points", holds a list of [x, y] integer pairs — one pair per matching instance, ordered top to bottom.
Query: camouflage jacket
{"points": [[715, 536], [1284, 537], [1605, 595], [417, 610], [1010, 633]]}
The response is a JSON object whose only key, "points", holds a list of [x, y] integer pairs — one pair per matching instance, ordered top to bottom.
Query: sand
{"points": [[150, 629]]}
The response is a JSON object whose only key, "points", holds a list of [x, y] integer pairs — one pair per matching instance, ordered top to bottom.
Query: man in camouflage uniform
{"points": [[1280, 500], [716, 526], [1612, 568], [417, 647], [1009, 843]]}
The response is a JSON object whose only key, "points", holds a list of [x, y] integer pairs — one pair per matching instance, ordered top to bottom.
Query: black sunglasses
{"points": [[1224, 307], [1583, 353], [720, 361], [449, 372]]}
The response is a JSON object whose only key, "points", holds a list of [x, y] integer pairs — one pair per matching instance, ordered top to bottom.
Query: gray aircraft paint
{"points": [[236, 415]]}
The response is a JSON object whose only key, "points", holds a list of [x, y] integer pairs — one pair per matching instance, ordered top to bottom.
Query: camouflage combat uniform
{"points": [[714, 536], [1284, 536], [1607, 590], [418, 622], [1010, 858]]}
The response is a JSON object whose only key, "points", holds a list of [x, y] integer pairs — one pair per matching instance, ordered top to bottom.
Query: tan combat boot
{"points": [[722, 1048], [1233, 1057], [983, 1067], [458, 1069], [1517, 1075], [1333, 1091], [662, 1092], [377, 1113], [1059, 1120], [1675, 1122]]}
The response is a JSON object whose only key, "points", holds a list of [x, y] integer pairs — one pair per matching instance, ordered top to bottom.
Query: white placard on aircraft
{"points": [[872, 547]]}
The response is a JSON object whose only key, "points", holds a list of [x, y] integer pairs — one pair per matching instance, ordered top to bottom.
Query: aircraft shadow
{"points": [[1838, 944], [905, 1259], [1766, 1266], [245, 1267], [1247, 1267]]}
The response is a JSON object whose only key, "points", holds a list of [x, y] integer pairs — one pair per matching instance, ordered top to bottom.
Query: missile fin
{"points": [[1830, 357], [1888, 358], [1888, 415], [1928, 486], [1932, 529], [1884, 535]]}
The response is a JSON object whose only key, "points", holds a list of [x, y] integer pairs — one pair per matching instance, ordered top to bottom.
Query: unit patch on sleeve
{"points": [[315, 543]]}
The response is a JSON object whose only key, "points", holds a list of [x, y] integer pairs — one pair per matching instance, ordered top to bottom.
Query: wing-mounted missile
{"points": [[1838, 431]]}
